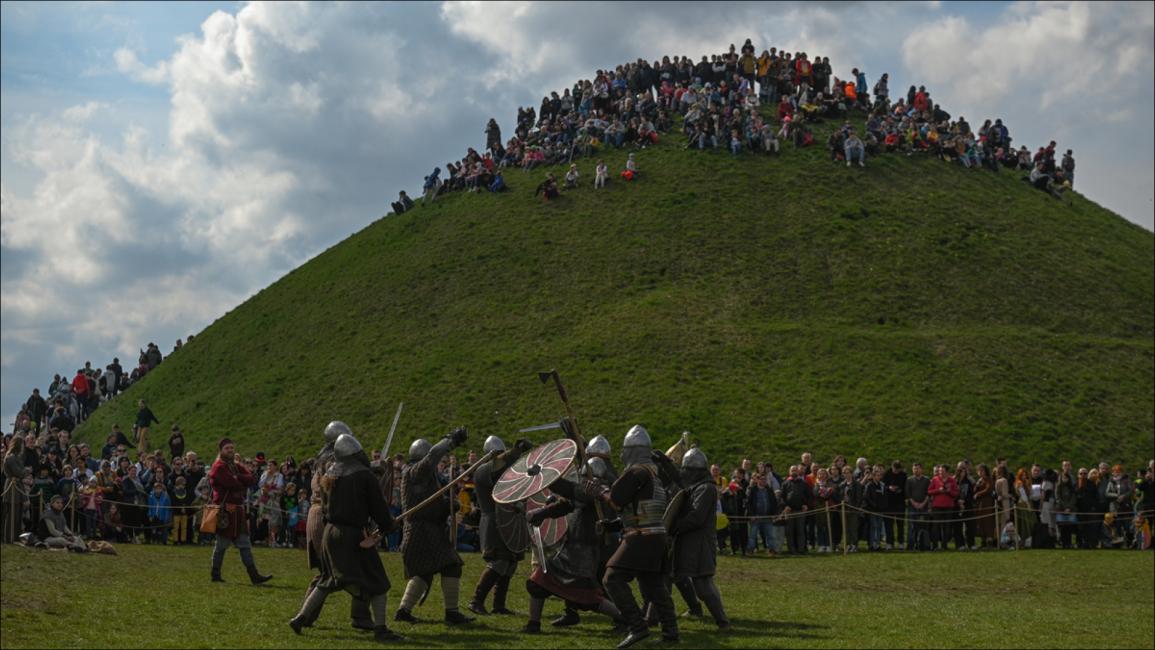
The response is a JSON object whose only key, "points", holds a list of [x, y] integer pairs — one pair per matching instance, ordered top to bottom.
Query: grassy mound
{"points": [[912, 309], [947, 600]]}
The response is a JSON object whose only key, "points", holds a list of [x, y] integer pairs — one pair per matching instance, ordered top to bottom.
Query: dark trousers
{"points": [[942, 521], [895, 526], [811, 529], [964, 531], [1088, 531], [738, 534], [796, 534], [652, 584]]}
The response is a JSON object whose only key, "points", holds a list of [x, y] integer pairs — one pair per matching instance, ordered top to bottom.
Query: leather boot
{"points": [[255, 576], [489, 578], [499, 593], [455, 617], [570, 617], [382, 634]]}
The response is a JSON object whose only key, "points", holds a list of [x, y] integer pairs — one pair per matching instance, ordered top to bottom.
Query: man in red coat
{"points": [[230, 483]]}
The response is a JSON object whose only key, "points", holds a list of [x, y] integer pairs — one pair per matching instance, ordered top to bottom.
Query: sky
{"points": [[162, 162]]}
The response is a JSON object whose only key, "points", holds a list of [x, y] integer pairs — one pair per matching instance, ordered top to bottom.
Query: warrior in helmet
{"points": [[599, 464], [640, 499], [315, 526], [695, 536], [425, 547], [349, 559], [500, 561], [573, 572]]}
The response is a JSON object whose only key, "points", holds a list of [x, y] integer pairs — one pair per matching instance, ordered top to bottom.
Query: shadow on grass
{"points": [[778, 629]]}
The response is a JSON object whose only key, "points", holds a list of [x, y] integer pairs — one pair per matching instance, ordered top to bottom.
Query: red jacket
{"points": [[80, 385], [230, 487], [943, 494]]}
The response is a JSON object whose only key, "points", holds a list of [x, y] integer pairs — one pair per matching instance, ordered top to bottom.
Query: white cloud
{"points": [[128, 63], [1073, 71], [290, 125]]}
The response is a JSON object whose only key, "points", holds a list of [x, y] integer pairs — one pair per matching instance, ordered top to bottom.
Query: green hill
{"points": [[914, 309]]}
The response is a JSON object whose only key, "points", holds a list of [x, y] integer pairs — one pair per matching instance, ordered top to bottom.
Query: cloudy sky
{"points": [[160, 163]]}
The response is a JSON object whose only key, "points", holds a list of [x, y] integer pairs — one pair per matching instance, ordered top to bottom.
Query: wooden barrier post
{"points": [[845, 537]]}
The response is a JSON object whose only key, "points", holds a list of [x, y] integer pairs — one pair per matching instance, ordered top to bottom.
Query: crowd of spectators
{"points": [[742, 102], [71, 402], [158, 499], [882, 508]]}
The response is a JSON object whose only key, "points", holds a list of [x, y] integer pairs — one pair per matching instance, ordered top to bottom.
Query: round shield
{"points": [[535, 471], [674, 508], [722, 522], [512, 526], [552, 530]]}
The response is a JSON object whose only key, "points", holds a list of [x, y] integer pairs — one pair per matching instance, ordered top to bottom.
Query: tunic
{"points": [[230, 483], [354, 499], [315, 522], [695, 535], [425, 547], [643, 548], [573, 571]]}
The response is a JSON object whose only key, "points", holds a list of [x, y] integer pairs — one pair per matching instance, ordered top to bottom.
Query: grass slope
{"points": [[912, 309], [1012, 600]]}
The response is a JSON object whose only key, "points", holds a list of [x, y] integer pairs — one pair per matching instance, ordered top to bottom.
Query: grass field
{"points": [[161, 597]]}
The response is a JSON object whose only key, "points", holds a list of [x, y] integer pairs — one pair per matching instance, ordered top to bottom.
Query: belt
{"points": [[341, 523], [648, 530]]}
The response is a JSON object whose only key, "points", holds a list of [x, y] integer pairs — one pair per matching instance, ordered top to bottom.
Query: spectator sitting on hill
{"points": [[631, 171], [601, 172], [571, 176], [498, 184], [547, 188], [402, 204]]}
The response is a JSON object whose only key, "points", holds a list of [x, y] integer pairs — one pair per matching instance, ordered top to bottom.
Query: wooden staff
{"points": [[445, 488], [453, 506]]}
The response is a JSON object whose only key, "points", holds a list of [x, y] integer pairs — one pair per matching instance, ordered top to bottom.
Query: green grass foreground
{"points": [[161, 597]]}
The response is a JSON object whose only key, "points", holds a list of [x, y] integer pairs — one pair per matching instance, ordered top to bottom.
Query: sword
{"points": [[541, 427], [392, 430], [539, 548]]}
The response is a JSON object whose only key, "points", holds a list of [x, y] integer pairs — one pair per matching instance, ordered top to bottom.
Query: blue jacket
{"points": [[158, 507]]}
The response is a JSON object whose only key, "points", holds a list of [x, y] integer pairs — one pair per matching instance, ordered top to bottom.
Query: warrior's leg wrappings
{"points": [[488, 579], [686, 588], [450, 589], [500, 591], [413, 592], [710, 595], [379, 604], [535, 607], [311, 608], [608, 608]]}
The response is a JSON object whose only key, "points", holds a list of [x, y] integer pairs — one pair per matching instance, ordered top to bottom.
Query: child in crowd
{"points": [[631, 171], [600, 174], [571, 177], [201, 496], [91, 497], [182, 499], [291, 513], [159, 514], [112, 525], [1009, 539]]}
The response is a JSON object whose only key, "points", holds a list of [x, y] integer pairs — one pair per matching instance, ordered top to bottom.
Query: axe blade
{"points": [[545, 376]]}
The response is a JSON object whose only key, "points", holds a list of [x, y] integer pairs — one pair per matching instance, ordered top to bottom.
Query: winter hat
{"points": [[224, 441]]}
